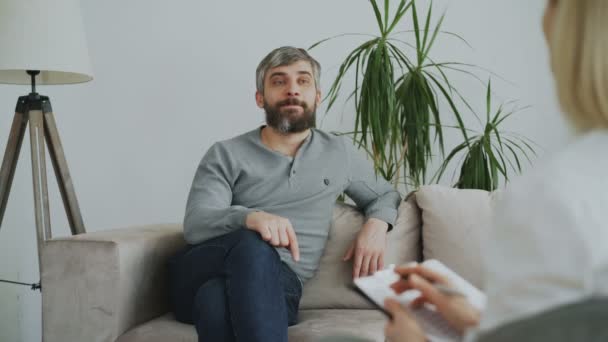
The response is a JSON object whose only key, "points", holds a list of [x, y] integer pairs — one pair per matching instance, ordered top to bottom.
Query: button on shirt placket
{"points": [[293, 173]]}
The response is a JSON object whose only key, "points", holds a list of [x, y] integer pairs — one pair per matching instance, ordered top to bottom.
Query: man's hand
{"points": [[274, 229], [368, 248], [455, 309]]}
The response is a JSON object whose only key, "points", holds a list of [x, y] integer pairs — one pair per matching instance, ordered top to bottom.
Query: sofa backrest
{"points": [[435, 222], [454, 222], [330, 287]]}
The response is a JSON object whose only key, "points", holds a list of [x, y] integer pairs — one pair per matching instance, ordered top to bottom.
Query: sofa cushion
{"points": [[453, 221], [329, 288], [314, 325], [336, 325], [161, 329]]}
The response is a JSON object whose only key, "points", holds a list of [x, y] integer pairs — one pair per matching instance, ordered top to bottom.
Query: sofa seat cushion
{"points": [[338, 324], [314, 325], [163, 328]]}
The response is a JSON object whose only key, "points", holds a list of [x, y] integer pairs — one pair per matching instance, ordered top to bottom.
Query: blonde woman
{"points": [[546, 257]]}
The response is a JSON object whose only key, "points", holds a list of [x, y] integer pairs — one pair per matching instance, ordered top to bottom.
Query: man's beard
{"points": [[289, 121]]}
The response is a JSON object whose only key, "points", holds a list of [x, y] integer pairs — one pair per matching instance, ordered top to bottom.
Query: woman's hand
{"points": [[455, 309], [402, 327]]}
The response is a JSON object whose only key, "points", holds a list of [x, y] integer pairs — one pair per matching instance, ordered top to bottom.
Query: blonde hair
{"points": [[579, 56]]}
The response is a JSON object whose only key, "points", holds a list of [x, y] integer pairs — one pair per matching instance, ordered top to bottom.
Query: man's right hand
{"points": [[274, 229]]}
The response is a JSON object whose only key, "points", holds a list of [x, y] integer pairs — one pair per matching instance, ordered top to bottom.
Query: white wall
{"points": [[173, 77]]}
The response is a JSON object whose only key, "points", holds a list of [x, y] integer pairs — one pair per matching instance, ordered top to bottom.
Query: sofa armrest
{"points": [[96, 286]]}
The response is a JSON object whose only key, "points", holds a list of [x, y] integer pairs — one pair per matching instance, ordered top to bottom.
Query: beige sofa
{"points": [[112, 286]]}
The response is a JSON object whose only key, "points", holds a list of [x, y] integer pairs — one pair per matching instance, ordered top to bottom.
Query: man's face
{"points": [[290, 97]]}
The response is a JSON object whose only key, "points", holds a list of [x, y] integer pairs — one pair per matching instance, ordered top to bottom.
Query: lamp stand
{"points": [[36, 110]]}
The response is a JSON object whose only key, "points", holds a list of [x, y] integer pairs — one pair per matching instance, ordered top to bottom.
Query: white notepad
{"points": [[377, 288]]}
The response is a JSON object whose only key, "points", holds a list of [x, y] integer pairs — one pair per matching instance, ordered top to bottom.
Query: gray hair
{"points": [[285, 55]]}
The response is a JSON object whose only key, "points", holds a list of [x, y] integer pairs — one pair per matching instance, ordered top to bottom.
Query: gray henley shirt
{"points": [[242, 175]]}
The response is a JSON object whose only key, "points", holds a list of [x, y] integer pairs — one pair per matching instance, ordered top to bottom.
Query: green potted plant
{"points": [[397, 94], [490, 154]]}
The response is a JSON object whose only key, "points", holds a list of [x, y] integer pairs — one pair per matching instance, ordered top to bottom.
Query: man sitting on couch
{"points": [[259, 211]]}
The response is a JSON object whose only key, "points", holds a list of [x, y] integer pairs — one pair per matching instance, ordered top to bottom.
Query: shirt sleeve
{"points": [[372, 194], [209, 210]]}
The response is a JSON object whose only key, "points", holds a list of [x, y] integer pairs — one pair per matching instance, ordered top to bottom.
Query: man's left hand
{"points": [[368, 248]]}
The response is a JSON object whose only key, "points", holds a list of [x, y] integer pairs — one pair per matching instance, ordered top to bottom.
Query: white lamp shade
{"points": [[45, 35]]}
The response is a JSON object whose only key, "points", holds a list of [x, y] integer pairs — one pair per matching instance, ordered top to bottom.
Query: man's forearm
{"points": [[384, 207], [378, 223], [202, 224]]}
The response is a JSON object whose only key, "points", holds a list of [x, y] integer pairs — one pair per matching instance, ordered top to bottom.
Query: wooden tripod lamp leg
{"points": [[11, 156], [66, 187], [41, 196]]}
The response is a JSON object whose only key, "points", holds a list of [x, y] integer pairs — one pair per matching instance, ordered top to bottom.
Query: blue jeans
{"points": [[234, 288]]}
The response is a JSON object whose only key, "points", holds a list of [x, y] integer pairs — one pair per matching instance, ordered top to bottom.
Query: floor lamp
{"points": [[41, 42]]}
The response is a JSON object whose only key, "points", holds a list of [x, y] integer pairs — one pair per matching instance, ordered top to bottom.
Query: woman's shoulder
{"points": [[585, 154], [580, 166], [571, 183]]}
